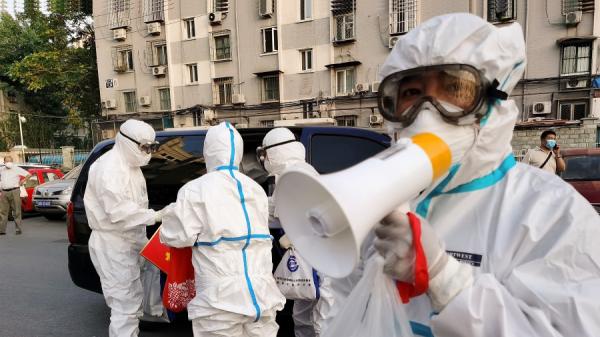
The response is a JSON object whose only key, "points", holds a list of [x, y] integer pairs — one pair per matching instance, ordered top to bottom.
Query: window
{"points": [[218, 6], [568, 6], [305, 9], [153, 10], [501, 10], [118, 16], [403, 16], [344, 27], [190, 28], [269, 37], [222, 47], [159, 54], [123, 59], [307, 59], [575, 59], [192, 73], [344, 81], [270, 88], [222, 90], [164, 96], [130, 101], [307, 110], [572, 110], [346, 120], [269, 123], [329, 153], [582, 168], [49, 176], [32, 181]]}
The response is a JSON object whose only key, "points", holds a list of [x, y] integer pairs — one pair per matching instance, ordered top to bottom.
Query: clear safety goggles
{"points": [[456, 90], [148, 147], [261, 151]]}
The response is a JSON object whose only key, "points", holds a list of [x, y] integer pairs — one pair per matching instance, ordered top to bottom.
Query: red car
{"points": [[583, 172], [39, 174]]}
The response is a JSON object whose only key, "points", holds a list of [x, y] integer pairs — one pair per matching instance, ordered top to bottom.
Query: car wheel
{"points": [[54, 216]]}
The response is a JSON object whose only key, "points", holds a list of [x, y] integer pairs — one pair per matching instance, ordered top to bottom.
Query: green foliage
{"points": [[39, 60]]}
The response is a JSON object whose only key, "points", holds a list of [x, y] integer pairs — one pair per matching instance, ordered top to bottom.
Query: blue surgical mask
{"points": [[551, 143]]}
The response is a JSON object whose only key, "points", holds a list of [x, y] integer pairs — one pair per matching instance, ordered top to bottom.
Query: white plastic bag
{"points": [[23, 192], [296, 279], [373, 308]]}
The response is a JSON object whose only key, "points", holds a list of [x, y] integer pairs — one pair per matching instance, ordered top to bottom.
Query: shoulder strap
{"points": [[547, 158]]}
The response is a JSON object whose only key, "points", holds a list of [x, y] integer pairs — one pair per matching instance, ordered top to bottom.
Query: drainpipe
{"points": [[472, 9], [526, 28], [237, 48]]}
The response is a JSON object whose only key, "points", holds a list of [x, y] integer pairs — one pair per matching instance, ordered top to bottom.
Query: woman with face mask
{"points": [[510, 250]]}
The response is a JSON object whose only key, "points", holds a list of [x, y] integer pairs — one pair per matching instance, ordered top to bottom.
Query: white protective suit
{"points": [[116, 204], [224, 214], [529, 237], [309, 316]]}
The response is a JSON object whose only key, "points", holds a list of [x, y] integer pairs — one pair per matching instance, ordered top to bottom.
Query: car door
{"points": [[31, 183]]}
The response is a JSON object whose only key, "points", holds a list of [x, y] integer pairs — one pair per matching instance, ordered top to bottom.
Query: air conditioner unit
{"points": [[265, 8], [215, 18], [573, 18], [153, 28], [119, 34], [392, 41], [159, 70], [575, 84], [375, 86], [361, 87], [238, 99], [145, 100], [110, 103], [541, 108], [314, 114], [208, 115], [375, 119]]}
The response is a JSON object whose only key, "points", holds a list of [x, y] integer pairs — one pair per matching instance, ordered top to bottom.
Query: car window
{"points": [[331, 153], [178, 161], [582, 168], [74, 173], [49, 176], [32, 181]]}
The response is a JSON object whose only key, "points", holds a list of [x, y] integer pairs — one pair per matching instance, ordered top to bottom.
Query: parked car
{"points": [[180, 160], [583, 172], [39, 174], [50, 199]]}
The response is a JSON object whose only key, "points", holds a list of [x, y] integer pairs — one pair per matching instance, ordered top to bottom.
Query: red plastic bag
{"points": [[180, 287]]}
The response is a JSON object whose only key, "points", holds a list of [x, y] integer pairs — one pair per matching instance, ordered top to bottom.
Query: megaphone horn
{"points": [[328, 217]]}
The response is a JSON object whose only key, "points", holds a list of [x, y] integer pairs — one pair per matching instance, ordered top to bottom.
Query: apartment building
{"points": [[186, 63]]}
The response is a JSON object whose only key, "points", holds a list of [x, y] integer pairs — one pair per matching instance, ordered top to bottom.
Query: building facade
{"points": [[185, 63]]}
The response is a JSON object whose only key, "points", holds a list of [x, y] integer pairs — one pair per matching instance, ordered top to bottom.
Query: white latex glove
{"points": [[158, 216], [284, 242], [447, 277]]}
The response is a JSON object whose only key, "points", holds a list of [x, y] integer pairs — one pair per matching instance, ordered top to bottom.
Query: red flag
{"points": [[157, 253]]}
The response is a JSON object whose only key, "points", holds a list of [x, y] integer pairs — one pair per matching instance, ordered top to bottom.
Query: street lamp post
{"points": [[21, 121]]}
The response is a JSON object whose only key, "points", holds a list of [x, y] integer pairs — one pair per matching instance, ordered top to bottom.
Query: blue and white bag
{"points": [[296, 279]]}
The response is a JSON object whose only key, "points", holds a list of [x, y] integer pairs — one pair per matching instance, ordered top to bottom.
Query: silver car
{"points": [[51, 199]]}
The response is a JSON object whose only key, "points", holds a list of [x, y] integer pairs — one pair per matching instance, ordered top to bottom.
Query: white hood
{"points": [[467, 39], [217, 147], [130, 151], [282, 157]]}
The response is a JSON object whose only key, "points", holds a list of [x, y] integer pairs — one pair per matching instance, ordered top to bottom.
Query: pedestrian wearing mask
{"points": [[546, 156], [12, 178]]}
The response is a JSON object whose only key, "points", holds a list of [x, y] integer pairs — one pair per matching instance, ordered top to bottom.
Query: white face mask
{"points": [[460, 138], [9, 165]]}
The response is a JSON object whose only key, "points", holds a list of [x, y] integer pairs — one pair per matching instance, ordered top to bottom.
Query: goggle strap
{"points": [[493, 91], [278, 144]]}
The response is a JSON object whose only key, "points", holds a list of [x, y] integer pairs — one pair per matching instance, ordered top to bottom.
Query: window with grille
{"points": [[218, 6], [571, 6], [305, 9], [154, 10], [501, 10], [118, 15], [403, 16], [344, 27], [190, 28], [269, 37], [222, 47], [159, 53], [123, 59], [307, 59], [575, 59], [192, 70], [344, 81], [270, 88], [222, 90], [164, 96], [130, 101], [307, 110], [572, 110], [346, 120], [269, 123]]}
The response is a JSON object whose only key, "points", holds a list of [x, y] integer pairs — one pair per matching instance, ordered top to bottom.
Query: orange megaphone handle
{"points": [[421, 276]]}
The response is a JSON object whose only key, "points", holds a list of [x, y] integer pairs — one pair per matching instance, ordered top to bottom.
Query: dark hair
{"points": [[546, 133]]}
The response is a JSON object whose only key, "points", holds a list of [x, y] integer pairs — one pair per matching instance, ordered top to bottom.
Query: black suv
{"points": [[179, 160]]}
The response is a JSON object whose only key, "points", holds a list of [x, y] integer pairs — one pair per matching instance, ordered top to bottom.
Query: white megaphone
{"points": [[328, 217]]}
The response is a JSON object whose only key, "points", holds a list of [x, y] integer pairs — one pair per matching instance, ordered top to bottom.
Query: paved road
{"points": [[37, 297]]}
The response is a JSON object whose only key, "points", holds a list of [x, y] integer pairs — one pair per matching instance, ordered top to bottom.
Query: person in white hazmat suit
{"points": [[279, 152], [116, 204], [224, 216], [511, 250]]}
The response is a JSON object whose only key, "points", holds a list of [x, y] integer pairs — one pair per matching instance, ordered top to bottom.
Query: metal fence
{"points": [[53, 157]]}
